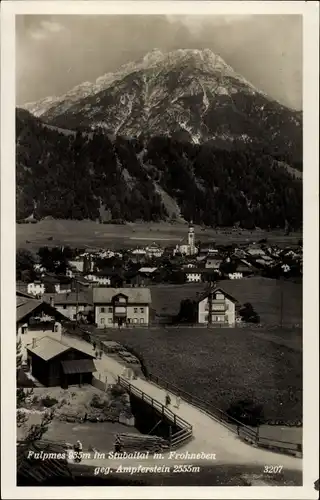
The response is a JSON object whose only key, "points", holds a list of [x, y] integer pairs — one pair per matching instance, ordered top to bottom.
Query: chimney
{"points": [[51, 302], [34, 342]]}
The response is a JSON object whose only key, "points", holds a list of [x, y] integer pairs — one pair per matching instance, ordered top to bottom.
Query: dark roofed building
{"points": [[71, 304], [56, 363]]}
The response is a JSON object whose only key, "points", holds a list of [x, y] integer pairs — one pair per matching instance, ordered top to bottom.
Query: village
{"points": [[83, 283], [74, 304]]}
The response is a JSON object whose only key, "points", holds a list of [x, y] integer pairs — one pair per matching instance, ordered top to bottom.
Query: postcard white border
{"points": [[310, 12]]}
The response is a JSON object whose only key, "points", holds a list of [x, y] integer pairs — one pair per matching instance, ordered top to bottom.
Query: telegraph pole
{"points": [[281, 300], [210, 308]]}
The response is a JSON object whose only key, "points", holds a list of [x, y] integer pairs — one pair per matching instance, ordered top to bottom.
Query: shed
{"points": [[55, 363]]}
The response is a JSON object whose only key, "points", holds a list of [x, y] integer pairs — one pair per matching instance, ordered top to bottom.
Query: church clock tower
{"points": [[191, 239]]}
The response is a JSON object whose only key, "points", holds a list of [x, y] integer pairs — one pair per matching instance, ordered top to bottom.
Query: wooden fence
{"points": [[185, 432], [247, 433]]}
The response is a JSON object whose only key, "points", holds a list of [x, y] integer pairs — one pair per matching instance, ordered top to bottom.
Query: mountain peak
{"points": [[153, 57], [188, 93]]}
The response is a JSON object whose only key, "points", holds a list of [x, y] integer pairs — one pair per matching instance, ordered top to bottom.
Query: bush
{"points": [[248, 314], [117, 391], [48, 402], [96, 402], [247, 412]]}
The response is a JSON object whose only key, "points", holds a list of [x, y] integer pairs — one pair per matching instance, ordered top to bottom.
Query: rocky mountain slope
{"points": [[190, 95], [95, 176]]}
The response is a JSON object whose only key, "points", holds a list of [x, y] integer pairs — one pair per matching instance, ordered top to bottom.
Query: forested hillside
{"points": [[92, 176]]}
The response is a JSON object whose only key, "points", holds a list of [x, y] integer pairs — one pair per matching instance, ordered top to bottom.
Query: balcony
{"points": [[217, 306]]}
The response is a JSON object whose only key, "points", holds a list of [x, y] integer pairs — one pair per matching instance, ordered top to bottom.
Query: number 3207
{"points": [[272, 469]]}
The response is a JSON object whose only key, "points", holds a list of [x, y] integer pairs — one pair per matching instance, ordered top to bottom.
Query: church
{"points": [[187, 245]]}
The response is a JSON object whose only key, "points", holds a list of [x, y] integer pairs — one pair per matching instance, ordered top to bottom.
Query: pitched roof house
{"points": [[121, 306], [217, 308], [56, 363]]}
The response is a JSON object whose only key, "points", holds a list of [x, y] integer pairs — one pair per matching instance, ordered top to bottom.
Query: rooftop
{"points": [[147, 269], [214, 290], [139, 295], [82, 297], [25, 306], [48, 348]]}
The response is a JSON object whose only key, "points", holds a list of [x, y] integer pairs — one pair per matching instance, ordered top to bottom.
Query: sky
{"points": [[55, 53]]}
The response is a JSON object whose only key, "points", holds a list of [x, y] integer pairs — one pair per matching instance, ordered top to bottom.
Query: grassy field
{"points": [[92, 234], [263, 293], [222, 366]]}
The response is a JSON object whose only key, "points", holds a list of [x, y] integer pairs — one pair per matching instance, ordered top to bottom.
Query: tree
{"points": [[24, 263], [188, 311], [248, 314], [34, 432]]}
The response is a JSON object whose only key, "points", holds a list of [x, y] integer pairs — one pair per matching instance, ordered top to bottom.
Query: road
{"points": [[210, 436]]}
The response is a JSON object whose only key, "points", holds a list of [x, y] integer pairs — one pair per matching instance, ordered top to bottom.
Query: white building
{"points": [[188, 246], [154, 250], [139, 251], [213, 263], [235, 276], [193, 277], [99, 279], [37, 288], [71, 305], [121, 306], [219, 306], [36, 319]]}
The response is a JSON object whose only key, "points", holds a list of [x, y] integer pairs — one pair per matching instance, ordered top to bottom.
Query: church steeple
{"points": [[191, 238]]}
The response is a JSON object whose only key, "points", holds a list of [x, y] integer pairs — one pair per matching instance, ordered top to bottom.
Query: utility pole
{"points": [[77, 300], [281, 302], [210, 307]]}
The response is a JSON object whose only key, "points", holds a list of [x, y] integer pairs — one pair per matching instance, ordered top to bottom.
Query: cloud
{"points": [[197, 23], [52, 26], [46, 29], [265, 49]]}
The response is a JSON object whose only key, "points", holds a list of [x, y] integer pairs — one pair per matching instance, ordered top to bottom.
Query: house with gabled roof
{"points": [[72, 305], [121, 306], [217, 308], [35, 319]]}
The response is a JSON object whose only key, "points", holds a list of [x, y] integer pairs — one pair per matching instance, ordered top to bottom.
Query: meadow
{"points": [[92, 234], [273, 300], [225, 365]]}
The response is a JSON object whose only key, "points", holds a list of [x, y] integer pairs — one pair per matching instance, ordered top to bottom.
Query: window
{"points": [[102, 309], [109, 309], [135, 309], [142, 309], [110, 320], [135, 320], [141, 320], [102, 321]]}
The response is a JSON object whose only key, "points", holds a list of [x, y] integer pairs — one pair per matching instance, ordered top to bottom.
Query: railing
{"points": [[245, 432], [177, 438]]}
